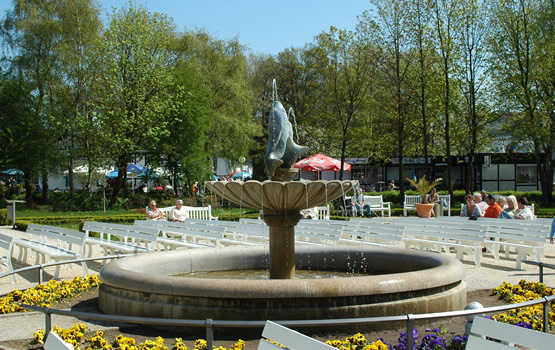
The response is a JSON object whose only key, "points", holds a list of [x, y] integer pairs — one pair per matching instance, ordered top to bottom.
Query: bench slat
{"points": [[507, 333]]}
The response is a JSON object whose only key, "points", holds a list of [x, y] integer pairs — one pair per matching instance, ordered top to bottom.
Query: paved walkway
{"points": [[22, 326]]}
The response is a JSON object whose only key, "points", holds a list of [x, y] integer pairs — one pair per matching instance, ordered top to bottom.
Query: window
{"points": [[526, 174]]}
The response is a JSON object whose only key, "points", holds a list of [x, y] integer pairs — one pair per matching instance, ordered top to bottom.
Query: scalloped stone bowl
{"points": [[280, 196]]}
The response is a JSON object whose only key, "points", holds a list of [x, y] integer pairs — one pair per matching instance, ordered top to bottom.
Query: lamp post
{"points": [[100, 184]]}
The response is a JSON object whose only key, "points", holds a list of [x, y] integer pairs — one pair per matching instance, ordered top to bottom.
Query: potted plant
{"points": [[423, 186]]}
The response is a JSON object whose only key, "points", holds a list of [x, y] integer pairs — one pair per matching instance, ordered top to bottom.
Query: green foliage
{"points": [[423, 186]]}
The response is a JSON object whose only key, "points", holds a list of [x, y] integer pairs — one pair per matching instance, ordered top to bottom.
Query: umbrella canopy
{"points": [[320, 162], [135, 169], [12, 172], [241, 175]]}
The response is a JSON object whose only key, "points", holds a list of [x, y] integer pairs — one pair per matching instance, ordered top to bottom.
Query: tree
{"points": [[444, 16], [419, 21], [32, 30], [471, 35], [77, 52], [395, 61], [523, 69], [346, 76], [135, 92], [20, 131], [182, 151]]}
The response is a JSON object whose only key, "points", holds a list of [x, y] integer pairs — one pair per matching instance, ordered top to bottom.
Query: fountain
{"points": [[391, 281]]}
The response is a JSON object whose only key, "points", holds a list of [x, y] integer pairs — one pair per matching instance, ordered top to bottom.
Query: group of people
{"points": [[503, 208], [177, 213]]}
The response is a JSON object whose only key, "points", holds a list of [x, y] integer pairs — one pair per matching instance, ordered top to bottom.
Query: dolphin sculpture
{"points": [[282, 151]]}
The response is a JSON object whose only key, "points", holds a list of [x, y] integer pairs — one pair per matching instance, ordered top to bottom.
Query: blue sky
{"points": [[263, 26]]}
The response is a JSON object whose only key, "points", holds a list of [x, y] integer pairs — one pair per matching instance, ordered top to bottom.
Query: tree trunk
{"points": [[28, 190], [45, 190]]}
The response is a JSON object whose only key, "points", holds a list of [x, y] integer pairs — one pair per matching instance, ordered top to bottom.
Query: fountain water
{"points": [[403, 281]]}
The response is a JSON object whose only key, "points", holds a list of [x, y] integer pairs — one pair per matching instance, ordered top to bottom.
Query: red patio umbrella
{"points": [[320, 162]]}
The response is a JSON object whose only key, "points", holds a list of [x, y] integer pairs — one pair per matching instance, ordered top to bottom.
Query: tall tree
{"points": [[444, 16], [420, 21], [80, 26], [32, 30], [471, 36], [395, 61], [523, 68], [224, 69], [346, 76], [135, 91]]}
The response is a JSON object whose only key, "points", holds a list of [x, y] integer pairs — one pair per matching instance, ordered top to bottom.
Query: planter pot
{"points": [[424, 210]]}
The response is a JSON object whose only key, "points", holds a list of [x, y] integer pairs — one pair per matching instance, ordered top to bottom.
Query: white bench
{"points": [[409, 202], [376, 203], [446, 203], [199, 213], [323, 213], [196, 233], [377, 235], [439, 238], [130, 239], [52, 242], [526, 242], [6, 243], [493, 335], [289, 338], [55, 342]]}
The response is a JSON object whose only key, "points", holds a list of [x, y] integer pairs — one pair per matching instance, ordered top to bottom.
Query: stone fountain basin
{"points": [[407, 282]]}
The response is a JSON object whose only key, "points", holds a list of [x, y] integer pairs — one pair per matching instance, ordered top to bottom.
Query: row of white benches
{"points": [[464, 237]]}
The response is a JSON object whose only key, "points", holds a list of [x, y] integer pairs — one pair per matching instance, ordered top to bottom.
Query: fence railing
{"points": [[210, 324]]}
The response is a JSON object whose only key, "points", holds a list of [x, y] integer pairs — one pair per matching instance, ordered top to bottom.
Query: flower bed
{"points": [[45, 294], [530, 317]]}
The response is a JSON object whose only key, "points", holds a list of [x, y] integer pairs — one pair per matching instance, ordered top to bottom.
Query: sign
{"points": [[356, 160]]}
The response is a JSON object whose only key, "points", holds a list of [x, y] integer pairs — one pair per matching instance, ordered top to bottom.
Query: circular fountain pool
{"points": [[402, 282]]}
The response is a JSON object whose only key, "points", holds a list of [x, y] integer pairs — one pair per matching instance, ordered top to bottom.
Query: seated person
{"points": [[433, 197], [360, 203], [480, 203], [470, 209], [493, 209], [509, 211], [523, 212], [153, 213], [179, 213], [310, 213]]}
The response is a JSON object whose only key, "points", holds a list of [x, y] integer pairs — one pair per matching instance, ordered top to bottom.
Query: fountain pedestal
{"points": [[282, 242]]}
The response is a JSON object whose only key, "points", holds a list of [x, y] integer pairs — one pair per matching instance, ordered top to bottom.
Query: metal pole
{"points": [[541, 271], [40, 273], [545, 315], [47, 322], [410, 332], [209, 333]]}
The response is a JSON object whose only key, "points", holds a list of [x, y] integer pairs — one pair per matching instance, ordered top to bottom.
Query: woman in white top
{"points": [[179, 213]]}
